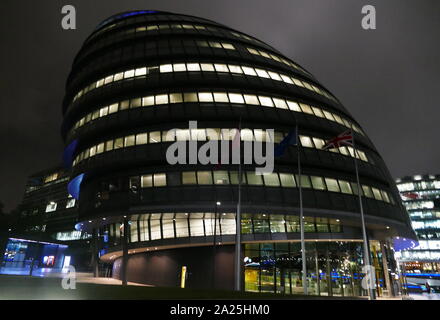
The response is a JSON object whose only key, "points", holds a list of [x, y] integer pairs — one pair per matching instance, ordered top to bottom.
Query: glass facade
{"points": [[421, 196], [157, 226], [333, 268]]}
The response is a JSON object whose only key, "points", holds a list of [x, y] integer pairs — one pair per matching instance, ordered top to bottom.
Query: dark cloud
{"points": [[387, 78]]}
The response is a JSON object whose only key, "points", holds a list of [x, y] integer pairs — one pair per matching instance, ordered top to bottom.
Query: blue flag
{"points": [[290, 140]]}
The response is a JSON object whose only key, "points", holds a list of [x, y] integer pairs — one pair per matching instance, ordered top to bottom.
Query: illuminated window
{"points": [[166, 68], [190, 97], [205, 97], [220, 97], [176, 98], [235, 98], [162, 99], [251, 99], [148, 101], [266, 101], [154, 137], [141, 138], [129, 141], [306, 142], [204, 177], [221, 177], [189, 178], [254, 179], [160, 180], [271, 180], [287, 180], [147, 181], [305, 181], [317, 183], [332, 184], [345, 187], [367, 191], [70, 203], [51, 206]]}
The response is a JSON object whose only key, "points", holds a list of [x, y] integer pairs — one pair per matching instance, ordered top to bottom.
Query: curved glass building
{"points": [[142, 73]]}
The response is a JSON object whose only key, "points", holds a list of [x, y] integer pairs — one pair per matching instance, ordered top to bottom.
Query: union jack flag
{"points": [[344, 139]]}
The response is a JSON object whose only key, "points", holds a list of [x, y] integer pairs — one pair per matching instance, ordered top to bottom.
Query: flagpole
{"points": [[301, 216], [238, 223], [364, 232]]}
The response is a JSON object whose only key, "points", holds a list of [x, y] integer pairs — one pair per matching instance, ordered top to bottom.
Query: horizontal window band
{"points": [[215, 97], [207, 134]]}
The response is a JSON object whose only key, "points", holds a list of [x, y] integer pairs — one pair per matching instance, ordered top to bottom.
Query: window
{"points": [[228, 46], [178, 67], [193, 67], [221, 67], [166, 68], [249, 71], [190, 97], [205, 97], [220, 97], [176, 98], [235, 98], [161, 99], [148, 101], [266, 101], [136, 102], [280, 103], [293, 106], [113, 108], [154, 137], [141, 138], [129, 141], [306, 142], [119, 143], [100, 148], [189, 177], [204, 177], [221, 177], [254, 179], [160, 180], [271, 180], [287, 180], [147, 181], [305, 181], [318, 183], [332, 184], [345, 187], [367, 191], [377, 194], [70, 203], [51, 206], [261, 223], [277, 223], [292, 224], [168, 225], [181, 225], [196, 225], [155, 227]]}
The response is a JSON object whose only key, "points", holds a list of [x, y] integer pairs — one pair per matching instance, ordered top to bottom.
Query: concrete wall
{"points": [[163, 268]]}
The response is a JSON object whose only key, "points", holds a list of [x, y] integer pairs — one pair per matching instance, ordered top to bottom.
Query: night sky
{"points": [[387, 78]]}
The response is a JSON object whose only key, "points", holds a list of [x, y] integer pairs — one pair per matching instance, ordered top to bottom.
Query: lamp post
{"points": [[217, 204]]}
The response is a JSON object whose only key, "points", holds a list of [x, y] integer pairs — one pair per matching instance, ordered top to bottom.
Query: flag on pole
{"points": [[344, 139], [290, 140]]}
